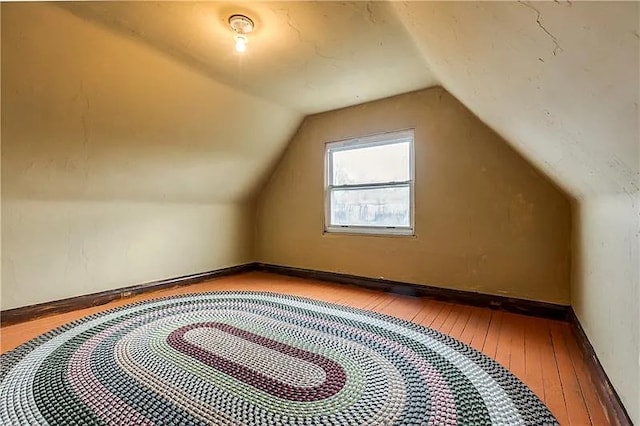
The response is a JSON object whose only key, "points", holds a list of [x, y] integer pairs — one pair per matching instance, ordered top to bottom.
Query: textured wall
{"points": [[559, 80], [89, 113], [145, 120], [119, 165], [485, 220], [58, 249], [605, 290]]}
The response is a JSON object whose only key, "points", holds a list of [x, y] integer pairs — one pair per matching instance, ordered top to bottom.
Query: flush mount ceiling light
{"points": [[242, 26]]}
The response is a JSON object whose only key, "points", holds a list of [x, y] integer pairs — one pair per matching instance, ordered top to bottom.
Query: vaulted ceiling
{"points": [[308, 56], [559, 80]]}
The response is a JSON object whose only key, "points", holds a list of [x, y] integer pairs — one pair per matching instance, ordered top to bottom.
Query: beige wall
{"points": [[559, 80], [119, 164], [485, 220], [58, 249], [605, 290]]}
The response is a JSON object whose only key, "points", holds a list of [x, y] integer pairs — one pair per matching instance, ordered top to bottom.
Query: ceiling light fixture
{"points": [[242, 26]]}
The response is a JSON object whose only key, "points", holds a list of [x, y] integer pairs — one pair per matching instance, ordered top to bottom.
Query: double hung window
{"points": [[369, 184]]}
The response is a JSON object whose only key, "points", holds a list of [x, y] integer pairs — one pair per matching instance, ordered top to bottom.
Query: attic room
{"points": [[327, 213]]}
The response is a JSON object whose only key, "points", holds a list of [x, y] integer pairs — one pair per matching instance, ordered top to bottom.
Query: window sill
{"points": [[371, 232]]}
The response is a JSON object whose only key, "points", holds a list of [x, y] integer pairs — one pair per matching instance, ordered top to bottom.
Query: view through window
{"points": [[370, 184]]}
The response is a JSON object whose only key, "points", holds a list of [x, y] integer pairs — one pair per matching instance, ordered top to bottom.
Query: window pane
{"points": [[383, 163], [371, 207]]}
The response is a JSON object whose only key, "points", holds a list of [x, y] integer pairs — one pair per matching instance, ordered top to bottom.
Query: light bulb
{"points": [[241, 44]]}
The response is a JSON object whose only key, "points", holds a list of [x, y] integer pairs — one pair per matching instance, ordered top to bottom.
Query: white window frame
{"points": [[388, 138]]}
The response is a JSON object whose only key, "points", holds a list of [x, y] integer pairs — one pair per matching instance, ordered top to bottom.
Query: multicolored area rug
{"points": [[252, 358]]}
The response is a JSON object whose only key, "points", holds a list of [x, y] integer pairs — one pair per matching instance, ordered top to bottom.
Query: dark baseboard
{"points": [[520, 306], [27, 313], [616, 412]]}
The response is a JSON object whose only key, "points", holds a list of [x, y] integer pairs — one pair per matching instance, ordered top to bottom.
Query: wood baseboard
{"points": [[520, 306], [27, 313], [613, 405], [616, 412]]}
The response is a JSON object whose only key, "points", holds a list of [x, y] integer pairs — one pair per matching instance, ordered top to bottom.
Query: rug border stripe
{"points": [[614, 407]]}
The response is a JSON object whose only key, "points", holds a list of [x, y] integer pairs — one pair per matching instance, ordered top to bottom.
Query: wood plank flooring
{"points": [[543, 353]]}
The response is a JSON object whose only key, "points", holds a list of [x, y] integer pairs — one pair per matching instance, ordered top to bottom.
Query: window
{"points": [[369, 184]]}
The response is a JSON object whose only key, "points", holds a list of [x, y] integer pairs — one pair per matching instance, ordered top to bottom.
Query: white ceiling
{"points": [[307, 56], [559, 80], [90, 114]]}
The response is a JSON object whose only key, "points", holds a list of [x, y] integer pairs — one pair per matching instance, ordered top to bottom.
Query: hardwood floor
{"points": [[543, 353]]}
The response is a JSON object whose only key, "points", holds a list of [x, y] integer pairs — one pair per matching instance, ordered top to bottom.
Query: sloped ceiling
{"points": [[308, 56], [559, 80], [148, 101], [89, 114]]}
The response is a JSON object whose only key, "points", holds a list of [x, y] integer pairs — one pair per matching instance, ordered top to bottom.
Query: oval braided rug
{"points": [[256, 358]]}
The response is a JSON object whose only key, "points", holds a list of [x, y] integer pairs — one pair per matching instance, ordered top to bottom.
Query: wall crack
{"points": [[370, 12], [316, 48], [557, 48]]}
